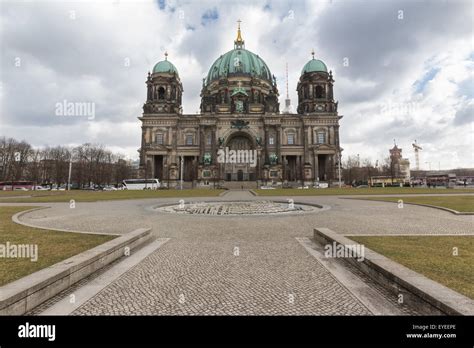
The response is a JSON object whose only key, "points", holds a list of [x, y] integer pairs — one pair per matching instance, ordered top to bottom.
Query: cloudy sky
{"points": [[403, 70]]}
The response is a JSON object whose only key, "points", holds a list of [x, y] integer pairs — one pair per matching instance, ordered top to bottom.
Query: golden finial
{"points": [[239, 41], [312, 52], [166, 55]]}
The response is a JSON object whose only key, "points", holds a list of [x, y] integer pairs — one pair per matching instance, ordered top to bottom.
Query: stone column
{"points": [[201, 133], [147, 135], [331, 136], [278, 141], [265, 143], [306, 144], [174, 146], [213, 146], [142, 151], [152, 166], [298, 167], [316, 167], [165, 169], [302, 169]]}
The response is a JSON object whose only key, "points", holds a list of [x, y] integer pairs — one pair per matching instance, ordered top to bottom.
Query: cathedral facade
{"points": [[240, 114]]}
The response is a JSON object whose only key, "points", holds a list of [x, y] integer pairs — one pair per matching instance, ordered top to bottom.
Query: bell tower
{"points": [[164, 89], [315, 89]]}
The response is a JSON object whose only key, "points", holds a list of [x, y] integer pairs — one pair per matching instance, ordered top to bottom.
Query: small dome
{"points": [[314, 65], [165, 66]]}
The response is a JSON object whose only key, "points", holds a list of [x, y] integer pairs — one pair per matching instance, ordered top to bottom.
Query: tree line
{"points": [[92, 164], [357, 171]]}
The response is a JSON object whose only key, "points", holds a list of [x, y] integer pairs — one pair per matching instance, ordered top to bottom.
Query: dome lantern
{"points": [[239, 42]]}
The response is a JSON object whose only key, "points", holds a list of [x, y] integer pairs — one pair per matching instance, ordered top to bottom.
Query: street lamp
{"points": [[70, 170]]}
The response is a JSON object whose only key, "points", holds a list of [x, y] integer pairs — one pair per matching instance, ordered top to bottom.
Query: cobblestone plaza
{"points": [[247, 265]]}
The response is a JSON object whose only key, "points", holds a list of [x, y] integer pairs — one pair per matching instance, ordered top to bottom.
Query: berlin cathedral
{"points": [[240, 111]]}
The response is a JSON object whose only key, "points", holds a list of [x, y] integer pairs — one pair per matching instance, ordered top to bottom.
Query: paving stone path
{"points": [[236, 264]]}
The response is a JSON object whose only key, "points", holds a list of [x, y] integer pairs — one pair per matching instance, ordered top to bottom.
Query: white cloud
{"points": [[386, 91]]}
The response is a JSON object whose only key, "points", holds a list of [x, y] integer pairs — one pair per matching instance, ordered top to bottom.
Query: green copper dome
{"points": [[239, 61], [314, 65], [165, 66]]}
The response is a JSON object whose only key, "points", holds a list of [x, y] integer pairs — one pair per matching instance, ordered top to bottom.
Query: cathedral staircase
{"points": [[237, 185]]}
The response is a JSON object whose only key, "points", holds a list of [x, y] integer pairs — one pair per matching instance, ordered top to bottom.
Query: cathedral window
{"points": [[319, 92], [161, 93], [321, 137], [159, 139], [189, 139], [209, 139], [291, 139], [271, 140]]}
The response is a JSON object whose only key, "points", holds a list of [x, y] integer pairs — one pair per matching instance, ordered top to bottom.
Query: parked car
{"points": [[321, 185], [88, 188], [109, 188], [20, 189]]}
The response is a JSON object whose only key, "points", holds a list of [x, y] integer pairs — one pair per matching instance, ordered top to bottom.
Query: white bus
{"points": [[141, 184]]}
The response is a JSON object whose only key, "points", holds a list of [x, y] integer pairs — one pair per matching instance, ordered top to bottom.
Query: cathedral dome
{"points": [[239, 61], [314, 65], [165, 66]]}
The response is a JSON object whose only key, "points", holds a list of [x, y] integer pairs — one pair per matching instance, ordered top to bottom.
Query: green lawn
{"points": [[356, 191], [92, 196], [458, 203], [53, 246], [431, 256]]}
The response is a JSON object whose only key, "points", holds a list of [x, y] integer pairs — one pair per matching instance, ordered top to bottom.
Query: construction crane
{"points": [[417, 149]]}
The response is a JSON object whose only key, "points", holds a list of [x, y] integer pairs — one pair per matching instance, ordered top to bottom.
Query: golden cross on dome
{"points": [[239, 41], [312, 52], [166, 55]]}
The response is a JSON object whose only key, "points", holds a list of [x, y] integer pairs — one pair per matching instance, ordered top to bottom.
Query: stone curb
{"points": [[455, 212], [16, 219], [425, 294], [22, 295]]}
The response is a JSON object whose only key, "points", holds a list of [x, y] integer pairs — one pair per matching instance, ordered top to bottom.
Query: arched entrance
{"points": [[241, 158], [240, 175]]}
